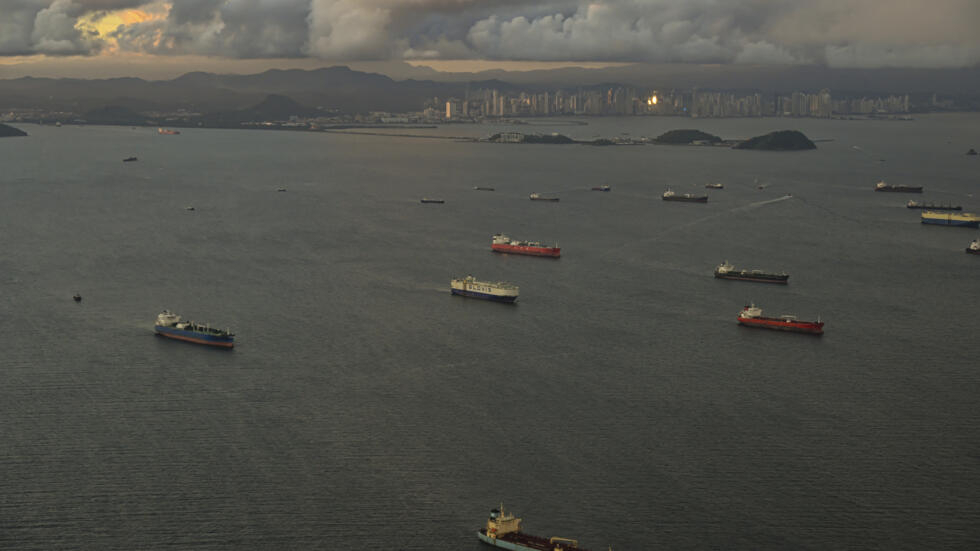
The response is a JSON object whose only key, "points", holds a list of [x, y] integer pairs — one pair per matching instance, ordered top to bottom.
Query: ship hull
{"points": [[900, 189], [548, 199], [702, 199], [928, 206], [949, 221], [972, 251], [553, 252], [757, 278], [484, 296], [807, 327], [195, 337], [519, 541]]}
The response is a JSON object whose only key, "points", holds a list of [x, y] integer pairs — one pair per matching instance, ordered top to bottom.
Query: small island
{"points": [[10, 131], [687, 137], [781, 140]]}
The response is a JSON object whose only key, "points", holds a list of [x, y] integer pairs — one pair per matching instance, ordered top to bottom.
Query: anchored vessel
{"points": [[167, 132], [130, 159], [715, 186], [882, 186], [482, 188], [601, 188], [669, 195], [539, 197], [427, 200], [931, 206], [964, 219], [503, 244], [974, 247], [727, 271], [497, 291], [751, 316], [170, 325], [504, 530]]}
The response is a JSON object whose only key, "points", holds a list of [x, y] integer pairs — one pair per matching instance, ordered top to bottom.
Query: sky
{"points": [[140, 38]]}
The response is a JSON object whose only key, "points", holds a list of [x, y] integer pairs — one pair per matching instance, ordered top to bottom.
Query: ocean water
{"points": [[364, 407]]}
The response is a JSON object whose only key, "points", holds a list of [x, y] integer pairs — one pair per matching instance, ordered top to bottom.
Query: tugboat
{"points": [[882, 186], [601, 188], [669, 195], [539, 197], [438, 201], [931, 206], [964, 219], [503, 244], [974, 247], [727, 271], [498, 291], [78, 298], [751, 316], [170, 325], [504, 530]]}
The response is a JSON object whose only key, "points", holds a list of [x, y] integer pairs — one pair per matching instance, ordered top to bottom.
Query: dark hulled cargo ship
{"points": [[669, 195], [727, 271], [504, 530]]}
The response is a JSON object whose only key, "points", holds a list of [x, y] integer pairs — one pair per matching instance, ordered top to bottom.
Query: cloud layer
{"points": [[836, 33]]}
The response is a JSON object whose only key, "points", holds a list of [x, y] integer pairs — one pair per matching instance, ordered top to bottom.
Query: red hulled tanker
{"points": [[503, 244], [751, 316]]}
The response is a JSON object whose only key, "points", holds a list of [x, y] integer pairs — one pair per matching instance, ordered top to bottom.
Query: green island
{"points": [[10, 131], [687, 137], [781, 140]]}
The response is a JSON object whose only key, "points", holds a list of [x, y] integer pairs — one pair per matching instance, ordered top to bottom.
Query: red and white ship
{"points": [[503, 244], [751, 316]]}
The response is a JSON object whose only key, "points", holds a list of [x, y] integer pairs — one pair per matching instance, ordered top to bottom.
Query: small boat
{"points": [[971, 151], [130, 159], [717, 185], [882, 186], [481, 188], [601, 188], [281, 189], [669, 195], [539, 197], [427, 200], [931, 206], [188, 207], [960, 219], [503, 244], [974, 247], [727, 271], [497, 291], [77, 297], [751, 316], [170, 325], [504, 530]]}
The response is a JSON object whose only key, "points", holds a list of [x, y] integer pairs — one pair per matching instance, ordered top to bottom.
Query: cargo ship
{"points": [[167, 132], [130, 159], [882, 186], [481, 188], [601, 188], [669, 195], [539, 197], [438, 201], [931, 206], [961, 219], [503, 244], [974, 248], [727, 271], [498, 291], [751, 316], [170, 325], [504, 530]]}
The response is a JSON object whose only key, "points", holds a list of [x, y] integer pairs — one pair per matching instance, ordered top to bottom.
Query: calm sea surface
{"points": [[364, 407]]}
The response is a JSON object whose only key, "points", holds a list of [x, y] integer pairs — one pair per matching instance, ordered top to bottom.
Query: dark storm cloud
{"points": [[840, 33]]}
